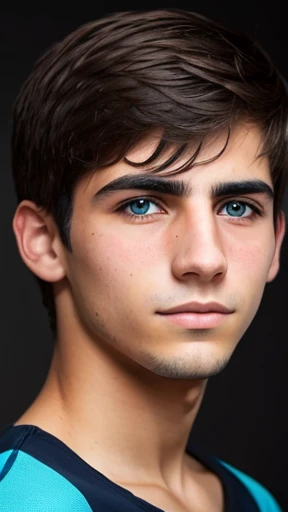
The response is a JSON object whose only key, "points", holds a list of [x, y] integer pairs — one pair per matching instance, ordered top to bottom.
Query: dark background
{"points": [[243, 417]]}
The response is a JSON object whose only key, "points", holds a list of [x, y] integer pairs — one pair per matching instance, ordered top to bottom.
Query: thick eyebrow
{"points": [[153, 183], [242, 187], [181, 188]]}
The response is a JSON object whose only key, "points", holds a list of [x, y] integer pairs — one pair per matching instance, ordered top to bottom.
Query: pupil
{"points": [[140, 206], [236, 208]]}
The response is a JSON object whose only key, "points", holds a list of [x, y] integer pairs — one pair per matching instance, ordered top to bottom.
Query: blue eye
{"points": [[140, 206], [237, 209]]}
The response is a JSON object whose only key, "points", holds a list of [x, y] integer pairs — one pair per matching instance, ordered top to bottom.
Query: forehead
{"points": [[239, 160]]}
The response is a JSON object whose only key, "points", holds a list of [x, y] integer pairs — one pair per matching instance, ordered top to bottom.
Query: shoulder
{"points": [[28, 484], [264, 499]]}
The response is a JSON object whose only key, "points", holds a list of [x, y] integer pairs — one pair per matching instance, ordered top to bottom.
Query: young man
{"points": [[150, 159]]}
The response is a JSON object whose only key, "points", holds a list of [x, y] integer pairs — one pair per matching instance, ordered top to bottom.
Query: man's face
{"points": [[137, 253]]}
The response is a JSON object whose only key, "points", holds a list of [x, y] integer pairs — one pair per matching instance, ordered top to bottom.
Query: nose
{"points": [[199, 248]]}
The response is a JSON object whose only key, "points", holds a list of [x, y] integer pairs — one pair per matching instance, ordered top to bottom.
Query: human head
{"points": [[97, 94]]}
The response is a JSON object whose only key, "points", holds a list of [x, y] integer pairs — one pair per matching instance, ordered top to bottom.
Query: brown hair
{"points": [[100, 91]]}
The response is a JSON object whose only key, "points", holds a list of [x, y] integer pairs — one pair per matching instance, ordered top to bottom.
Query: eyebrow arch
{"points": [[153, 183], [242, 187], [181, 188]]}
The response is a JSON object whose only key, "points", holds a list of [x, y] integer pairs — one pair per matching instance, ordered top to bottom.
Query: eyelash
{"points": [[255, 210], [133, 215], [138, 218]]}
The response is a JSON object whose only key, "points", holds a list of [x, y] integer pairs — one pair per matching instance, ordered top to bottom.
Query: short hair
{"points": [[98, 93]]}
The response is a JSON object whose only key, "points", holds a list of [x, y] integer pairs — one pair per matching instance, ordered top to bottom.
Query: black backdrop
{"points": [[243, 417]]}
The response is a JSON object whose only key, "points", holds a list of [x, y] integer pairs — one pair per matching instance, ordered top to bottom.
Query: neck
{"points": [[116, 414]]}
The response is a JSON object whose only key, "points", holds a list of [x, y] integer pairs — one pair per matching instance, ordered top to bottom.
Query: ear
{"points": [[279, 235], [38, 242]]}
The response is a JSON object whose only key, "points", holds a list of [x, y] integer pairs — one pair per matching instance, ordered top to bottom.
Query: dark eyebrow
{"points": [[153, 183], [242, 187], [181, 188]]}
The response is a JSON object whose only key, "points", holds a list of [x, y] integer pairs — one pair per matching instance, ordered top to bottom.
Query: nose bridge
{"points": [[203, 226], [200, 248]]}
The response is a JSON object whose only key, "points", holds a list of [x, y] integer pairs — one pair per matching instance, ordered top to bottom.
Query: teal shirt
{"points": [[39, 473]]}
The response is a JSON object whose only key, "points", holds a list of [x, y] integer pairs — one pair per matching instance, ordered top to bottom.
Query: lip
{"points": [[198, 307], [196, 315]]}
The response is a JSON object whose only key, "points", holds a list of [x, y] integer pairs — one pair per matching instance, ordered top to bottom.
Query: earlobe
{"points": [[279, 235], [36, 239]]}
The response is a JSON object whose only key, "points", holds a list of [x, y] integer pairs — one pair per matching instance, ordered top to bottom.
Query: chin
{"points": [[184, 369]]}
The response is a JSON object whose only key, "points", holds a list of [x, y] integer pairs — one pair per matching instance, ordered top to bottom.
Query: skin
{"points": [[125, 383]]}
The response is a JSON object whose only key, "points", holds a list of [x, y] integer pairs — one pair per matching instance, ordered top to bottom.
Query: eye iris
{"points": [[140, 206], [236, 209]]}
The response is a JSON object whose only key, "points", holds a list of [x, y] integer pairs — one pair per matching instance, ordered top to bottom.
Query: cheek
{"points": [[118, 253], [252, 258], [116, 266], [247, 274], [111, 276]]}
